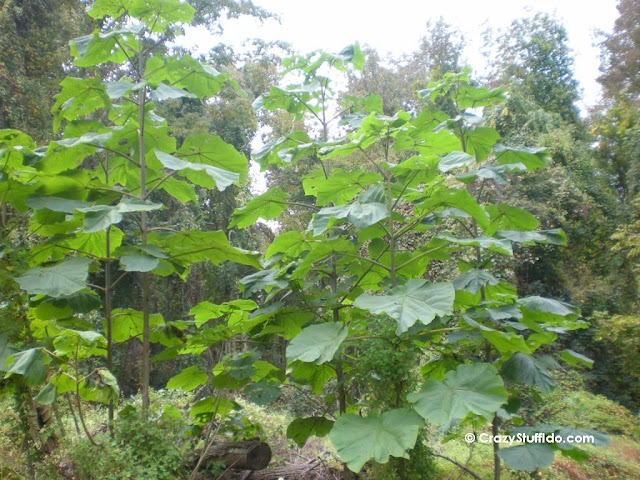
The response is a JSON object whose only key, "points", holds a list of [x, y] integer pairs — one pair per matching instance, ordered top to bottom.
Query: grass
{"points": [[568, 405]]}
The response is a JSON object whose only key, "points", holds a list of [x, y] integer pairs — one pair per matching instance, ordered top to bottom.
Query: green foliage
{"points": [[352, 262], [145, 449]]}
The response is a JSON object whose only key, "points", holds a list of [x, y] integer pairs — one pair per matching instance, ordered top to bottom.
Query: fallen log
{"points": [[247, 455]]}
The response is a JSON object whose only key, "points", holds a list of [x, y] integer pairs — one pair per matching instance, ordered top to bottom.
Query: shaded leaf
{"points": [[317, 343], [359, 439]]}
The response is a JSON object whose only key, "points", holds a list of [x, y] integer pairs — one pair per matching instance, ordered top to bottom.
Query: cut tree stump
{"points": [[247, 455]]}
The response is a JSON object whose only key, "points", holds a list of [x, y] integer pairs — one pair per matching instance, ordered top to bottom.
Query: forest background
{"points": [[183, 313]]}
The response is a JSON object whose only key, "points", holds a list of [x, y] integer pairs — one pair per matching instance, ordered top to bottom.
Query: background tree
{"points": [[33, 52]]}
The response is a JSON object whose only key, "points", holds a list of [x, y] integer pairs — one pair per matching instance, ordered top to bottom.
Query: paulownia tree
{"points": [[418, 193], [95, 197]]}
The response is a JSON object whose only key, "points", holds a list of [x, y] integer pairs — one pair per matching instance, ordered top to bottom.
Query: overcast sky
{"points": [[396, 27]]}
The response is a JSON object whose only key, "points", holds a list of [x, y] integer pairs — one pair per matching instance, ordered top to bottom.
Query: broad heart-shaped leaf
{"points": [[108, 8], [159, 14], [102, 47], [187, 73], [166, 92], [469, 96], [78, 97], [480, 141], [210, 150], [532, 158], [454, 160], [213, 176], [340, 187], [456, 198], [56, 204], [266, 206], [368, 209], [99, 217], [507, 217], [552, 237], [498, 245], [191, 246], [138, 263], [64, 278], [265, 280], [474, 280], [416, 300], [546, 309], [205, 311], [128, 323], [317, 343], [84, 344], [576, 359], [29, 364], [526, 369], [316, 376], [188, 379], [475, 388], [262, 393], [47, 395], [302, 428], [359, 439], [528, 457]]}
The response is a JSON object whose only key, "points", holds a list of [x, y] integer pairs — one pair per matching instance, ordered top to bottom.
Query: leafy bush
{"points": [[140, 449]]}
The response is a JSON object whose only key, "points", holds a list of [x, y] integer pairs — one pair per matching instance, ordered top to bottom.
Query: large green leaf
{"points": [[159, 14], [115, 46], [187, 73], [166, 92], [79, 97], [480, 141], [211, 150], [532, 158], [454, 160], [213, 176], [341, 186], [456, 198], [56, 204], [266, 206], [368, 209], [99, 217], [507, 217], [553, 237], [498, 245], [191, 246], [64, 278], [474, 280], [416, 300], [128, 323], [82, 343], [317, 343], [576, 359], [30, 364], [526, 369], [316, 376], [188, 379], [475, 388], [47, 395], [302, 428], [359, 439], [528, 457]]}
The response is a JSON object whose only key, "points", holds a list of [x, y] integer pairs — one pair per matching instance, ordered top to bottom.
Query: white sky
{"points": [[396, 27]]}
